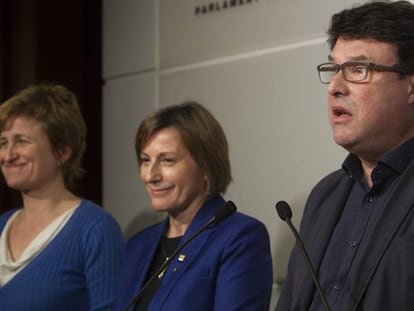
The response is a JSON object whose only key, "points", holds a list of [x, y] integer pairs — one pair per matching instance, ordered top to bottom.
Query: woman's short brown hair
{"points": [[57, 110], [202, 135]]}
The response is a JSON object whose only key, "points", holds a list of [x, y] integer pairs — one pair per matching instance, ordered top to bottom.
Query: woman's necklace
{"points": [[168, 246]]}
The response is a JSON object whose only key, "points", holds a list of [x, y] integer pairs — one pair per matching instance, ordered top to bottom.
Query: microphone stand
{"points": [[285, 213]]}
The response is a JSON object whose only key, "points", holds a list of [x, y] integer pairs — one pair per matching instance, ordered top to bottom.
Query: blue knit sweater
{"points": [[75, 272]]}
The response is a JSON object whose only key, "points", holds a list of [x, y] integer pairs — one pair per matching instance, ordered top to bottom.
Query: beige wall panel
{"points": [[129, 36], [186, 37]]}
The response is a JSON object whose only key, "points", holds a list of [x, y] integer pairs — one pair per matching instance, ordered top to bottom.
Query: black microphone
{"points": [[285, 213], [220, 214]]}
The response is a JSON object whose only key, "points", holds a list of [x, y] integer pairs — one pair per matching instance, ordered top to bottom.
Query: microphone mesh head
{"points": [[283, 209], [225, 211]]}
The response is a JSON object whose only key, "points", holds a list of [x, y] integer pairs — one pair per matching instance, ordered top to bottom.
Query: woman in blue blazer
{"points": [[184, 163]]}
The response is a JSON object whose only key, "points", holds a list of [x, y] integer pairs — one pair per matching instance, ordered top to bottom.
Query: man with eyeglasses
{"points": [[358, 223]]}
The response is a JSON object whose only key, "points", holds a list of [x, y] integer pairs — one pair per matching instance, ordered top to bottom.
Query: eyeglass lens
{"points": [[351, 71]]}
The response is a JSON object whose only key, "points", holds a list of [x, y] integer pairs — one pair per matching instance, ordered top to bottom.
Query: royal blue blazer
{"points": [[227, 267]]}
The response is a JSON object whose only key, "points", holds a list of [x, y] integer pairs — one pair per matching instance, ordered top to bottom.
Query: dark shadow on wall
{"points": [[143, 220]]}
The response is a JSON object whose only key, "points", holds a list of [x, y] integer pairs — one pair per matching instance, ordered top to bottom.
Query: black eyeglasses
{"points": [[353, 71]]}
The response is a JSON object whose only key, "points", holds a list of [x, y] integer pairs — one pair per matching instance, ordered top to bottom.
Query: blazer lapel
{"points": [[325, 211], [384, 231], [179, 265], [142, 266]]}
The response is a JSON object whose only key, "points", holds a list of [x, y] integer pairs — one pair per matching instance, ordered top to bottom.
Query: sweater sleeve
{"points": [[102, 252]]}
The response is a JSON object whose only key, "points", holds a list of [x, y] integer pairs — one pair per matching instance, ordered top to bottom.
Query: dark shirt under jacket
{"points": [[362, 209], [166, 247]]}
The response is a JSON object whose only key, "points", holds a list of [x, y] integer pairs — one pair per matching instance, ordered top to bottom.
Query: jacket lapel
{"points": [[325, 212], [385, 229], [179, 265], [142, 266]]}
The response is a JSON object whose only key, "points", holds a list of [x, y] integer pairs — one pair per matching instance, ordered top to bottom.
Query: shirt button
{"points": [[370, 199], [353, 243], [337, 287]]}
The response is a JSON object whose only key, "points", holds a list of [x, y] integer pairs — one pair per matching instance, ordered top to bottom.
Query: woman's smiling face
{"points": [[26, 157], [174, 181]]}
